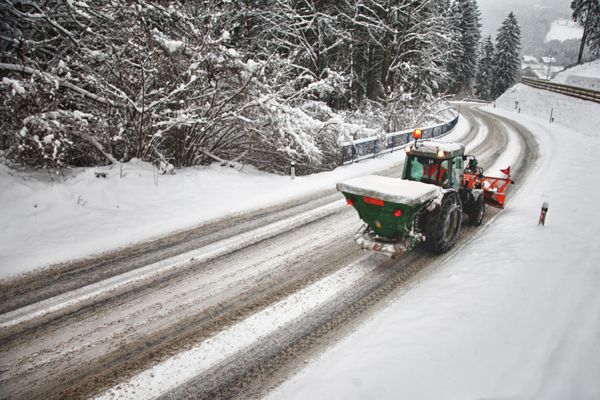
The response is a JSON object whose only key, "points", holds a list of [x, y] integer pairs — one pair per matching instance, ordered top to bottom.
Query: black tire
{"points": [[476, 211], [444, 224]]}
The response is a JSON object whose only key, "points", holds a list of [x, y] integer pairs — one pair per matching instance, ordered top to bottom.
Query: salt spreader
{"points": [[427, 204]]}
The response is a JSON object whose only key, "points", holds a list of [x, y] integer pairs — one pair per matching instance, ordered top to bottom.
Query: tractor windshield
{"points": [[427, 170]]}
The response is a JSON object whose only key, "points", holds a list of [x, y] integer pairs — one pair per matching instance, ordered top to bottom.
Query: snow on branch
{"points": [[31, 71]]}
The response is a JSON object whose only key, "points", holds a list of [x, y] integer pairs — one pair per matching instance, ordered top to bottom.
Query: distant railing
{"points": [[574, 91], [370, 147]]}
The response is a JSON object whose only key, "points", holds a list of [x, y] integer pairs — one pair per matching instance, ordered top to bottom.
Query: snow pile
{"points": [[564, 29], [586, 76], [514, 314]]}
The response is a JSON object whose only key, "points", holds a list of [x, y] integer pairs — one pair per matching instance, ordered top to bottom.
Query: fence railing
{"points": [[574, 91], [370, 147]]}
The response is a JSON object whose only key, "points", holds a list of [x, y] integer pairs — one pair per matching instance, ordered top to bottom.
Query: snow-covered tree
{"points": [[587, 13], [305, 31], [468, 31], [593, 39], [454, 48], [507, 62], [485, 68], [260, 81], [96, 82]]}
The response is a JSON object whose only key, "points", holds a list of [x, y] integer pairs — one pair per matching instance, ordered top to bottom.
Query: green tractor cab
{"points": [[425, 205]]}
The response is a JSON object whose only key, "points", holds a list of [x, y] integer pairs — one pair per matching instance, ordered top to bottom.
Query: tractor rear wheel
{"points": [[476, 211], [444, 225]]}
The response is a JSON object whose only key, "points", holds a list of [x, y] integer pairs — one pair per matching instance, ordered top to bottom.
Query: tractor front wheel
{"points": [[444, 225]]}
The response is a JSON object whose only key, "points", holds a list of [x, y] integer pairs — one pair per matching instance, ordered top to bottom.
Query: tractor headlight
{"points": [[408, 148], [441, 153]]}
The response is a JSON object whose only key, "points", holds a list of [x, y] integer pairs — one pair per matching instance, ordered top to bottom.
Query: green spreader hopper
{"points": [[389, 207]]}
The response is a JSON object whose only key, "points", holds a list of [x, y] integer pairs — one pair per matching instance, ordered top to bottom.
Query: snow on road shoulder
{"points": [[49, 222], [515, 314]]}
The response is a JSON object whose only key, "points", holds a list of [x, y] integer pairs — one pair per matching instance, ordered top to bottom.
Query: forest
{"points": [[260, 82]]}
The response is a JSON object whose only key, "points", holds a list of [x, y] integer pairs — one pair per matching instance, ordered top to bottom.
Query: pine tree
{"points": [[587, 13], [468, 30], [593, 39], [454, 49], [507, 63], [485, 67]]}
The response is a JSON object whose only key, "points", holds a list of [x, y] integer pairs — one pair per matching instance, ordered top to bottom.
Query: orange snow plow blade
{"points": [[494, 190]]}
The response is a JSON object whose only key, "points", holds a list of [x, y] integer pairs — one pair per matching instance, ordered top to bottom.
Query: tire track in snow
{"points": [[69, 302], [61, 358], [185, 366]]}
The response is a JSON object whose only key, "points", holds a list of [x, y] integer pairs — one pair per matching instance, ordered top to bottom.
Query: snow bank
{"points": [[586, 76], [540, 103], [515, 314]]}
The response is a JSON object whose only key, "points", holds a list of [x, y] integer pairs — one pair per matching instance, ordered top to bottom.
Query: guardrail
{"points": [[574, 91], [370, 147]]}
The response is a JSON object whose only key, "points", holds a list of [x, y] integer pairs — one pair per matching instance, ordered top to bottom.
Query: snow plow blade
{"points": [[494, 190]]}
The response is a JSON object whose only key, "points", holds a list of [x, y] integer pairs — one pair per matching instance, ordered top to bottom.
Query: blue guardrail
{"points": [[361, 149]]}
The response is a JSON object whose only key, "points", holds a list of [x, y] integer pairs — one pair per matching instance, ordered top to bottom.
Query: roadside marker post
{"points": [[543, 213]]}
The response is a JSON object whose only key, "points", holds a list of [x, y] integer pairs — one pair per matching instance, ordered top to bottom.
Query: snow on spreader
{"points": [[427, 204], [388, 206]]}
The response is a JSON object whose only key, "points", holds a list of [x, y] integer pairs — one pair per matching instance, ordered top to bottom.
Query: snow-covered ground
{"points": [[564, 29], [586, 76], [541, 104], [47, 222], [516, 313]]}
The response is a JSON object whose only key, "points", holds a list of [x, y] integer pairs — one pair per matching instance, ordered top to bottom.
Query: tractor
{"points": [[428, 203]]}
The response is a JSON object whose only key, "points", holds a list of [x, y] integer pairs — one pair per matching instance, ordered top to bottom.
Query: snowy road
{"points": [[244, 315]]}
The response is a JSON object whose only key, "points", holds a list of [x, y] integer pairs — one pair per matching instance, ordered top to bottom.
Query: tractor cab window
{"points": [[427, 170], [457, 171]]}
